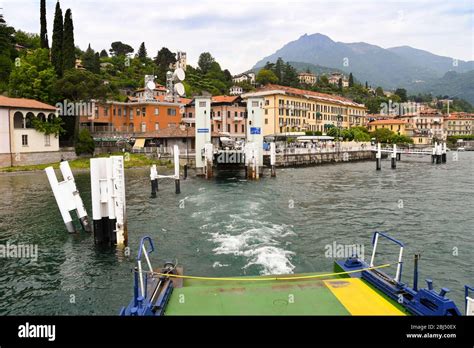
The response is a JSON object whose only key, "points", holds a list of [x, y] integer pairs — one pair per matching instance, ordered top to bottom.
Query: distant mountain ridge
{"points": [[390, 68]]}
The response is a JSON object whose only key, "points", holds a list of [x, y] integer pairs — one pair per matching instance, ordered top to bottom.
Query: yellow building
{"points": [[288, 109], [395, 125]]}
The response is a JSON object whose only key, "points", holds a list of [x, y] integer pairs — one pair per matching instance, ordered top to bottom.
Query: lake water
{"points": [[229, 226]]}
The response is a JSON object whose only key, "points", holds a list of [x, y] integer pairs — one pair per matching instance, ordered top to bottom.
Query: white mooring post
{"points": [[438, 153], [443, 153], [394, 156], [378, 157], [273, 158], [176, 169], [154, 174], [153, 180], [67, 197], [108, 200]]}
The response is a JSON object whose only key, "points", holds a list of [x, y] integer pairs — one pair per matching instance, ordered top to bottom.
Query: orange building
{"points": [[134, 116]]}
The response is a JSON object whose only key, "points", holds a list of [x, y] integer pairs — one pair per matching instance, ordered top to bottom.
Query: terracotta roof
{"points": [[322, 96], [224, 98], [24, 103], [458, 118], [390, 121], [172, 132]]}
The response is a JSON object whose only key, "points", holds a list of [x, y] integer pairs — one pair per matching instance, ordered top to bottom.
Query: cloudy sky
{"points": [[240, 32]]}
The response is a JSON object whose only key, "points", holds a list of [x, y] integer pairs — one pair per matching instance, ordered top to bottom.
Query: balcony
{"points": [[216, 118], [188, 119]]}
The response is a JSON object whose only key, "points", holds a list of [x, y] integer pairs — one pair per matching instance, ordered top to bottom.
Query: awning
{"points": [[139, 143]]}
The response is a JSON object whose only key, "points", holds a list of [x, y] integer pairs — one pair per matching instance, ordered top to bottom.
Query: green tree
{"points": [[43, 30], [28, 40], [57, 44], [119, 48], [69, 50], [7, 52], [103, 54], [142, 54], [91, 60], [163, 60], [205, 62], [290, 76], [34, 77], [265, 77], [351, 80], [339, 84], [80, 86], [379, 92], [402, 93], [382, 135], [84, 143]]}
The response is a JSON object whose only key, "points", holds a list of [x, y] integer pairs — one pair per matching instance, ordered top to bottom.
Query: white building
{"points": [[245, 77], [236, 90], [20, 143]]}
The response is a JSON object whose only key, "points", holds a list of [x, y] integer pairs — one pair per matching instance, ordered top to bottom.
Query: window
{"points": [[267, 102], [202, 104], [106, 111], [113, 111], [120, 111], [138, 111], [144, 111], [157, 111], [266, 111], [171, 112], [131, 114], [218, 114], [228, 114], [236, 114], [266, 121], [157, 126], [219, 126], [143, 127], [228, 128], [243, 128], [236, 129], [24, 140], [47, 140]]}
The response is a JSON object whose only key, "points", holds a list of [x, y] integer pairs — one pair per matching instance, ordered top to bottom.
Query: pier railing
{"points": [[308, 151]]}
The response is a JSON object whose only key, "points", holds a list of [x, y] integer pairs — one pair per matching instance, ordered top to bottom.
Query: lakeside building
{"points": [[307, 78], [289, 109], [136, 115], [227, 115], [427, 124], [459, 124], [395, 125], [20, 143]]}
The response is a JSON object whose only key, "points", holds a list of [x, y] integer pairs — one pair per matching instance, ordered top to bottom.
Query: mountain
{"points": [[439, 64], [389, 68], [453, 84]]}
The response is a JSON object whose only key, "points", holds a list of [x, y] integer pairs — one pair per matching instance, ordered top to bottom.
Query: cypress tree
{"points": [[44, 30], [57, 44], [142, 52], [103, 54], [69, 56], [351, 80]]}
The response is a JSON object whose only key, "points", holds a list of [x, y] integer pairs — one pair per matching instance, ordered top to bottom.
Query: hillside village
{"points": [[123, 107]]}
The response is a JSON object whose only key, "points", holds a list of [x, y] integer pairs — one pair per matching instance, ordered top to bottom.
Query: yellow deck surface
{"points": [[359, 298]]}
